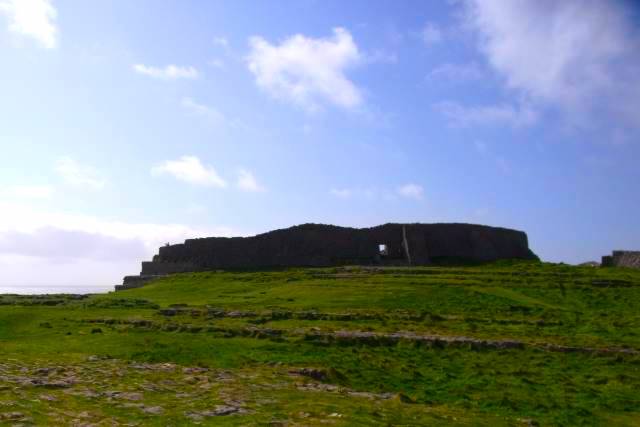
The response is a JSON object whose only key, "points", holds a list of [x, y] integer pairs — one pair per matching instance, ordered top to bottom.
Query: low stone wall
{"points": [[630, 259], [132, 282]]}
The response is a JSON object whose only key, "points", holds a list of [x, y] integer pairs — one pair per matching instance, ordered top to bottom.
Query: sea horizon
{"points": [[54, 289]]}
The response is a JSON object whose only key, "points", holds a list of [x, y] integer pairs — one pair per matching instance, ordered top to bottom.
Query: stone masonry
{"points": [[319, 245], [622, 259]]}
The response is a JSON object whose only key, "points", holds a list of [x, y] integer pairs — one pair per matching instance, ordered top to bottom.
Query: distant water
{"points": [[54, 289]]}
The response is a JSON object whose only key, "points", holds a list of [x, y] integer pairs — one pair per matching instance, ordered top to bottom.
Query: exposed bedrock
{"points": [[318, 245]]}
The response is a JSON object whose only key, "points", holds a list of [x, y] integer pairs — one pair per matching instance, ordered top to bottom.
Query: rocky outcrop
{"points": [[318, 245], [629, 259]]}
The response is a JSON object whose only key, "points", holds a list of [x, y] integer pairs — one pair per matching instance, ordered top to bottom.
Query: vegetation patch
{"points": [[511, 343]]}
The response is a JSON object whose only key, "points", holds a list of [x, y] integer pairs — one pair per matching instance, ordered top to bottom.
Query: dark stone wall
{"points": [[317, 245], [629, 259], [131, 282]]}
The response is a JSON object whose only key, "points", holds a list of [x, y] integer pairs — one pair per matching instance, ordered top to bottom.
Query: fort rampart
{"points": [[318, 245], [622, 259]]}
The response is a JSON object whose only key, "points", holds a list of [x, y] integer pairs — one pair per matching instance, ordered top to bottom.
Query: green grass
{"points": [[259, 327]]}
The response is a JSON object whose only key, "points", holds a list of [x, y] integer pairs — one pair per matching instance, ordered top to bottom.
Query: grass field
{"points": [[503, 344]]}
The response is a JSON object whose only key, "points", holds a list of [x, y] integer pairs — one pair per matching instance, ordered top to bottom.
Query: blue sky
{"points": [[124, 125]]}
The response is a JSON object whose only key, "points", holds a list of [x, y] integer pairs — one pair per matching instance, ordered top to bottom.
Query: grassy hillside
{"points": [[505, 344]]}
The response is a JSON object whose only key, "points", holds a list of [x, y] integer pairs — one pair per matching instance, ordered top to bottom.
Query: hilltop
{"points": [[323, 245], [509, 343]]}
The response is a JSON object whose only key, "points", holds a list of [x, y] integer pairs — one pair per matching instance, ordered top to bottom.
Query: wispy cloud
{"points": [[32, 18], [431, 34], [221, 41], [576, 55], [380, 56], [216, 63], [308, 71], [170, 72], [456, 72], [202, 110], [503, 114], [189, 169], [79, 175], [248, 182], [28, 191], [411, 191], [342, 193], [368, 194], [195, 209], [19, 218], [47, 243], [59, 248]]}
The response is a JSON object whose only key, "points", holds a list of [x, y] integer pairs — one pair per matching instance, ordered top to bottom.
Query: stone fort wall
{"points": [[317, 245], [629, 259]]}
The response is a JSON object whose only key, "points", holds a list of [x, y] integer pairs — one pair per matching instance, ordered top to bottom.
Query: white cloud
{"points": [[32, 18], [431, 34], [221, 41], [579, 55], [381, 56], [216, 63], [307, 71], [170, 72], [456, 72], [202, 110], [504, 114], [189, 169], [79, 175], [248, 182], [28, 191], [411, 191], [342, 193], [358, 193], [196, 209], [23, 219], [46, 243], [55, 249]]}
